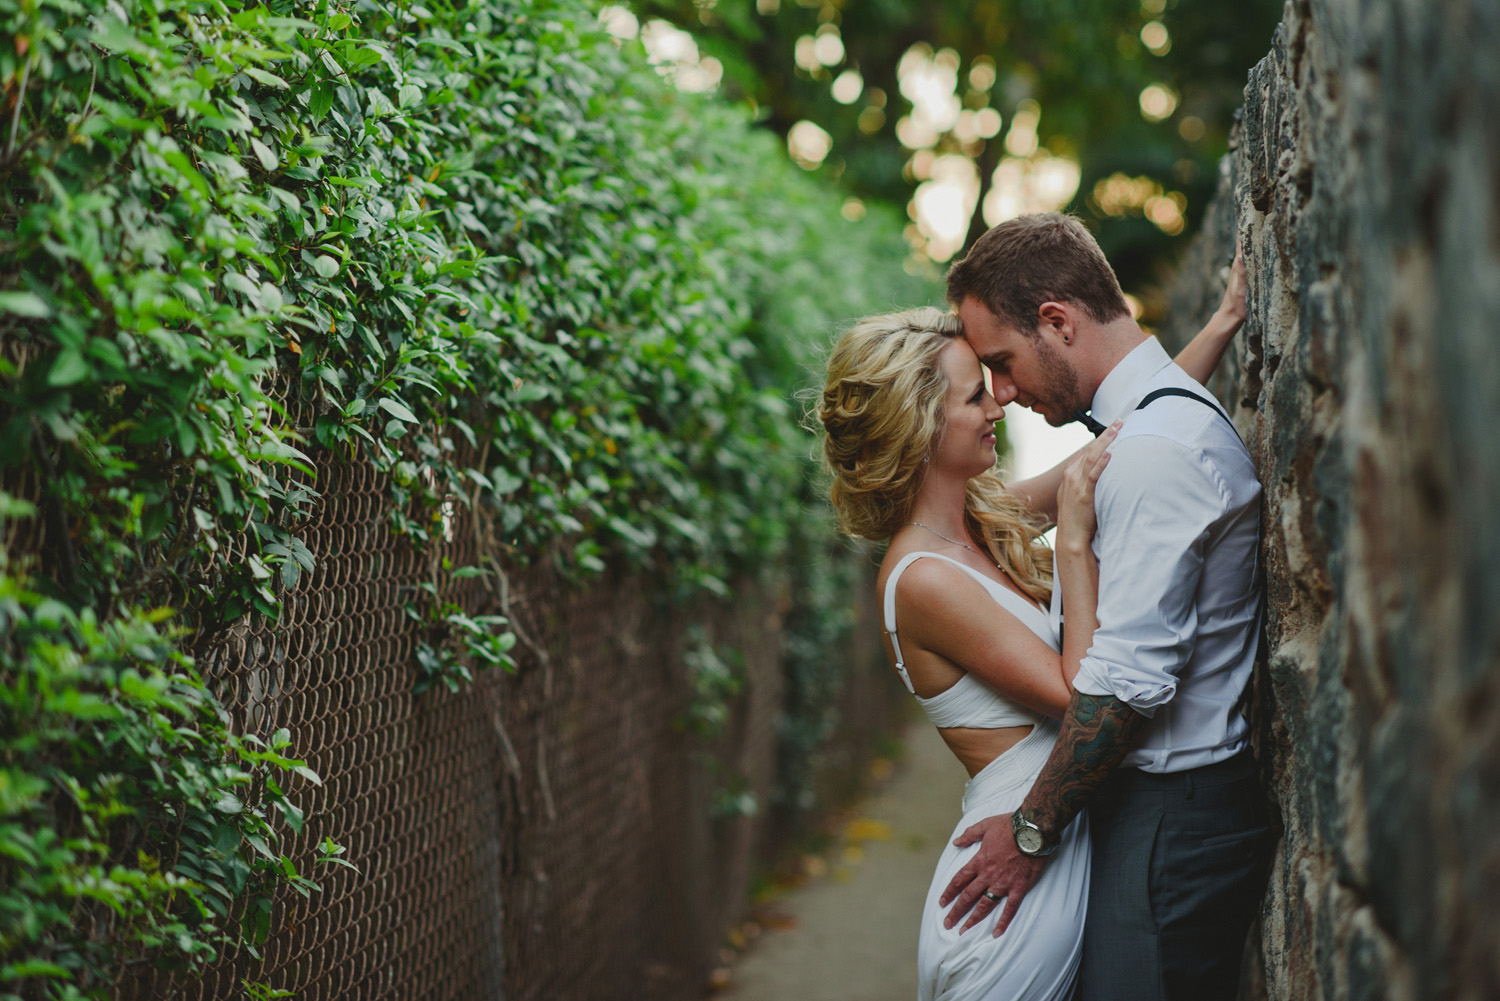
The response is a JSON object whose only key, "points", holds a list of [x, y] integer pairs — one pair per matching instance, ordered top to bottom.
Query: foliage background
{"points": [[1084, 64], [475, 244]]}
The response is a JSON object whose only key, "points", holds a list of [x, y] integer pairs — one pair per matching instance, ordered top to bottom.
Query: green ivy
{"points": [[478, 244], [131, 816]]}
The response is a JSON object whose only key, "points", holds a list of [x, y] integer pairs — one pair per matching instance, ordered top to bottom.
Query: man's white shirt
{"points": [[1179, 583]]}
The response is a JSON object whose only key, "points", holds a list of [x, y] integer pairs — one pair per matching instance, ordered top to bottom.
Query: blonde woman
{"points": [[910, 442]]}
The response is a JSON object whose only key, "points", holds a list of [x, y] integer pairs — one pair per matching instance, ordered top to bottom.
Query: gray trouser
{"points": [[1177, 876]]}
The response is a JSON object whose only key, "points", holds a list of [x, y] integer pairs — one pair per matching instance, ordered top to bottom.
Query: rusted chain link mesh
{"points": [[545, 835]]}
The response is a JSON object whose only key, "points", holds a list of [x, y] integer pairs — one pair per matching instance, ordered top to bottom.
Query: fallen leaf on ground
{"points": [[868, 830], [776, 920]]}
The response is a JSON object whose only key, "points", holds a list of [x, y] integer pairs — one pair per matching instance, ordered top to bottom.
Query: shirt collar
{"points": [[1127, 381]]}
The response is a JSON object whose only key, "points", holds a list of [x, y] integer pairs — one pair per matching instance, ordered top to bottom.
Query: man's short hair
{"points": [[1032, 259]]}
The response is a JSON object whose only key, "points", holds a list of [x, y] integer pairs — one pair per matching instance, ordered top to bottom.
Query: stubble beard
{"points": [[1061, 394]]}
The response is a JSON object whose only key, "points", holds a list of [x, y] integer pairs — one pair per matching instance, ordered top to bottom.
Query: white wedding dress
{"points": [[1037, 957]]}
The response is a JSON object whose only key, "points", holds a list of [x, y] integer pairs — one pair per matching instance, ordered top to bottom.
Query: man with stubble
{"points": [[1153, 743]]}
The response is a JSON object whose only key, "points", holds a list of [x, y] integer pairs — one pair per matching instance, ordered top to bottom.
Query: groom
{"points": [[1153, 742]]}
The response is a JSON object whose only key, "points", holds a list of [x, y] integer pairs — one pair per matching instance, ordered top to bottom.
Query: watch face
{"points": [[1029, 840]]}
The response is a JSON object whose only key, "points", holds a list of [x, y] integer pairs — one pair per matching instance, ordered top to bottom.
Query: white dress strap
{"points": [[890, 613], [1040, 622]]}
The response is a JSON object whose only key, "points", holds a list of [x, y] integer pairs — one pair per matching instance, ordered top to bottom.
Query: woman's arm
{"points": [[1202, 354], [1198, 359], [1076, 570], [951, 615], [949, 625]]}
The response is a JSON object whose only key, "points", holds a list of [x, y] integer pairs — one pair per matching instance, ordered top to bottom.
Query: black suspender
{"points": [[1155, 395]]}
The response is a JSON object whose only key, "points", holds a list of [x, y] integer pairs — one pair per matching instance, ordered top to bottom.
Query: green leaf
{"points": [[366, 56], [261, 76], [320, 99], [264, 155], [184, 167], [325, 266], [24, 304], [69, 368], [397, 410], [505, 481], [292, 814], [32, 968]]}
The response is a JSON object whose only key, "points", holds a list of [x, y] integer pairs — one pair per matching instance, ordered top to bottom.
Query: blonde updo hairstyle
{"points": [[882, 414]]}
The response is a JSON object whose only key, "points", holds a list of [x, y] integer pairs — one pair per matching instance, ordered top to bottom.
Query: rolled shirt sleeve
{"points": [[1158, 502]]}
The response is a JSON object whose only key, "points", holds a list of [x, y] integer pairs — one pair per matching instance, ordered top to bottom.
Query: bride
{"points": [[909, 438]]}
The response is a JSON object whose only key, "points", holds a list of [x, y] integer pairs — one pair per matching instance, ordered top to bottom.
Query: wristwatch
{"points": [[1029, 837]]}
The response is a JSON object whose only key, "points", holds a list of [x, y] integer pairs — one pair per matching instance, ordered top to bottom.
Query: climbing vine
{"points": [[477, 244]]}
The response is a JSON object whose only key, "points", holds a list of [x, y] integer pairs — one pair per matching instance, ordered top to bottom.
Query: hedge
{"points": [[409, 234]]}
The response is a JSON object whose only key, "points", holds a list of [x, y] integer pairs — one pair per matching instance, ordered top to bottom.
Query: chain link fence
{"points": [[552, 833]]}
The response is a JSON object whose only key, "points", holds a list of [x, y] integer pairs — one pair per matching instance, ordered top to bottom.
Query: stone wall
{"points": [[1365, 190]]}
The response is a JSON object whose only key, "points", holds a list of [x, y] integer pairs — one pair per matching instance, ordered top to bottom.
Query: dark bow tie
{"points": [[1094, 426]]}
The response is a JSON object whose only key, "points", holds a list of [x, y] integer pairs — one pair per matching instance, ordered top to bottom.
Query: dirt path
{"points": [[851, 934]]}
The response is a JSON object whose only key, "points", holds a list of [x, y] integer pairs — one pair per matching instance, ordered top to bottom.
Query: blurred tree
{"points": [[971, 111]]}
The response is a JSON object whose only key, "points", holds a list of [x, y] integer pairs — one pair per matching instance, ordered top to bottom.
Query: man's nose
{"points": [[1003, 390]]}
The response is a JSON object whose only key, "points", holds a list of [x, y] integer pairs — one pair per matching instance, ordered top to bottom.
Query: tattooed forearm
{"points": [[1096, 733]]}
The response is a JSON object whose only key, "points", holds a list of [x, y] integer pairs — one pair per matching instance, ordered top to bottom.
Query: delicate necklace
{"points": [[940, 535]]}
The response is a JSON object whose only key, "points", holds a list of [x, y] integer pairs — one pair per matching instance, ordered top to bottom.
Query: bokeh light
{"points": [[619, 22], [1156, 38], [828, 46], [673, 52], [805, 54], [982, 73], [930, 82], [848, 86], [1157, 102], [947, 119], [987, 123], [1021, 140], [808, 144], [921, 164], [1039, 183], [1119, 195], [945, 203], [1166, 212]]}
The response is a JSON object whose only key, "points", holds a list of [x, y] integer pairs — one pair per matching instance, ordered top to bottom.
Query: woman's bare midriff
{"points": [[976, 748]]}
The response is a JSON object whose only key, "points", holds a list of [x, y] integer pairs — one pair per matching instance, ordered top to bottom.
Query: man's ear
{"points": [[1057, 318]]}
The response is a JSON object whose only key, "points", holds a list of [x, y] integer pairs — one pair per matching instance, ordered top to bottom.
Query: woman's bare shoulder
{"points": [[924, 583]]}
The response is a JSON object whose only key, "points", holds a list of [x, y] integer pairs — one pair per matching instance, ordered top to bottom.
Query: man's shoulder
{"points": [[1184, 411], [1147, 461]]}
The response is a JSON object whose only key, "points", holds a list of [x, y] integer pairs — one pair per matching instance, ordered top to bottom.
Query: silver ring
{"points": [[991, 896]]}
